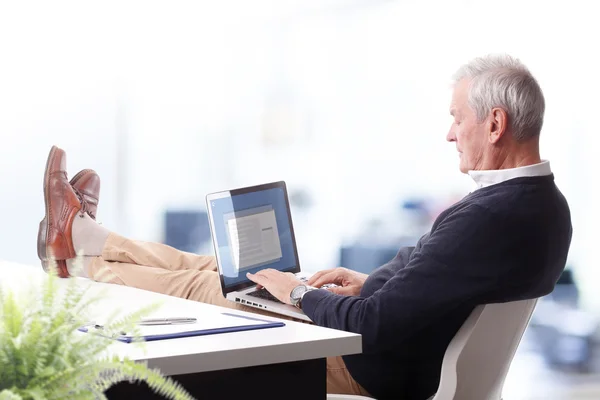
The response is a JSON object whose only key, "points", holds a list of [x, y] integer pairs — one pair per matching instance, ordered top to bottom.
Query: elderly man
{"points": [[507, 240]]}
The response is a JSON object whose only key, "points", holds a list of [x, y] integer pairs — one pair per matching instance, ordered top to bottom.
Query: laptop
{"points": [[251, 229]]}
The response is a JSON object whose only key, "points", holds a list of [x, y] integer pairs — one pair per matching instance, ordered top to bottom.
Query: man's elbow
{"points": [[373, 327]]}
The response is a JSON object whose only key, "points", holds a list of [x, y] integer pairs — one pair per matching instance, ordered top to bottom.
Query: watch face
{"points": [[298, 290]]}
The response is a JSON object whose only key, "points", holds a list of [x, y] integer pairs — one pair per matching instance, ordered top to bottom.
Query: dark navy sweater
{"points": [[504, 242]]}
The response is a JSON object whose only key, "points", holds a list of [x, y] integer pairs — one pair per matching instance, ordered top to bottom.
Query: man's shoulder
{"points": [[522, 196], [514, 204], [467, 210]]}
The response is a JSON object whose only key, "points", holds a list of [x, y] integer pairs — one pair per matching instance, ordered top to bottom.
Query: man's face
{"points": [[470, 136]]}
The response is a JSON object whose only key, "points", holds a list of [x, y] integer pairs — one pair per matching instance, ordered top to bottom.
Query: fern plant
{"points": [[43, 356]]}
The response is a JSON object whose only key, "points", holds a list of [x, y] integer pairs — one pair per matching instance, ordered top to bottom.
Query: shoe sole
{"points": [[42, 244]]}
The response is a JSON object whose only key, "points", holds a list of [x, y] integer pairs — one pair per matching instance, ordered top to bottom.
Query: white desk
{"points": [[289, 345]]}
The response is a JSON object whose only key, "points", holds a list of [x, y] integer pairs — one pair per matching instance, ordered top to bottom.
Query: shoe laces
{"points": [[84, 204]]}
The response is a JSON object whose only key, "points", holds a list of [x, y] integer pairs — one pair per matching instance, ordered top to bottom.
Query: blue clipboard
{"points": [[264, 324]]}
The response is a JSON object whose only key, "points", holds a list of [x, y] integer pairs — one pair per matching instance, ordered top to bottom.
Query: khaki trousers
{"points": [[160, 268]]}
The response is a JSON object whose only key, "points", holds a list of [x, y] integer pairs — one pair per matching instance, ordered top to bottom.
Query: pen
{"points": [[167, 321]]}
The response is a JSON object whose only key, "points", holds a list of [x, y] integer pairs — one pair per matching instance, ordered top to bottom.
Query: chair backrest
{"points": [[478, 358]]}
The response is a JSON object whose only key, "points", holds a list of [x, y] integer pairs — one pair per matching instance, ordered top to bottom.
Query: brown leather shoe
{"points": [[87, 185], [62, 206]]}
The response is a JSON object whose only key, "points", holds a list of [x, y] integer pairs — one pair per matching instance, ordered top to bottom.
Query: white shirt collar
{"points": [[494, 176]]}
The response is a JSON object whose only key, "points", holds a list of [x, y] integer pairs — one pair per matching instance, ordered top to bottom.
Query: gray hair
{"points": [[503, 81]]}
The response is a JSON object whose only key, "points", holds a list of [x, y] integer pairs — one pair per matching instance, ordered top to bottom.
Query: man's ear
{"points": [[498, 124]]}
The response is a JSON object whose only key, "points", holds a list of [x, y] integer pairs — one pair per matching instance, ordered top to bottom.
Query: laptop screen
{"points": [[252, 230]]}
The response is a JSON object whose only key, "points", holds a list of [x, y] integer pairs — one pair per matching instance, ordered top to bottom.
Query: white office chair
{"points": [[478, 358]]}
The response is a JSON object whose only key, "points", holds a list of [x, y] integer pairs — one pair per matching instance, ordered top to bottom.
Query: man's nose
{"points": [[451, 137]]}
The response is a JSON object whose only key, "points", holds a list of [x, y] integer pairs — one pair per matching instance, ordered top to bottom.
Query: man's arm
{"points": [[458, 264]]}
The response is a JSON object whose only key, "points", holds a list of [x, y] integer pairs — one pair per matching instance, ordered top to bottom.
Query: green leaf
{"points": [[12, 315], [35, 394], [9, 395]]}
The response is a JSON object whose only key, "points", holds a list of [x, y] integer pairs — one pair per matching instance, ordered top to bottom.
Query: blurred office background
{"points": [[345, 100]]}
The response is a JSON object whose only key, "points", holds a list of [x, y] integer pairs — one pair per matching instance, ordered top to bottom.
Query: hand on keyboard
{"points": [[347, 282], [280, 284]]}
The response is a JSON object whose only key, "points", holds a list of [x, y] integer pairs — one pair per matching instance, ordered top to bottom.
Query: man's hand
{"points": [[349, 282], [278, 283]]}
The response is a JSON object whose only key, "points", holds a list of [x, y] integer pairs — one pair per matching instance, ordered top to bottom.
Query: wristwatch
{"points": [[298, 293]]}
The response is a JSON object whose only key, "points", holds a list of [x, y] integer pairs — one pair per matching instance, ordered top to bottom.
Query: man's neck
{"points": [[514, 156], [516, 162]]}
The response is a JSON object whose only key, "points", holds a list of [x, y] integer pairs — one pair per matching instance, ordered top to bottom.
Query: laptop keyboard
{"points": [[263, 294]]}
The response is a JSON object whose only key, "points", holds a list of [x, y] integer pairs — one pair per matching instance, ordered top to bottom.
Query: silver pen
{"points": [[167, 321]]}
